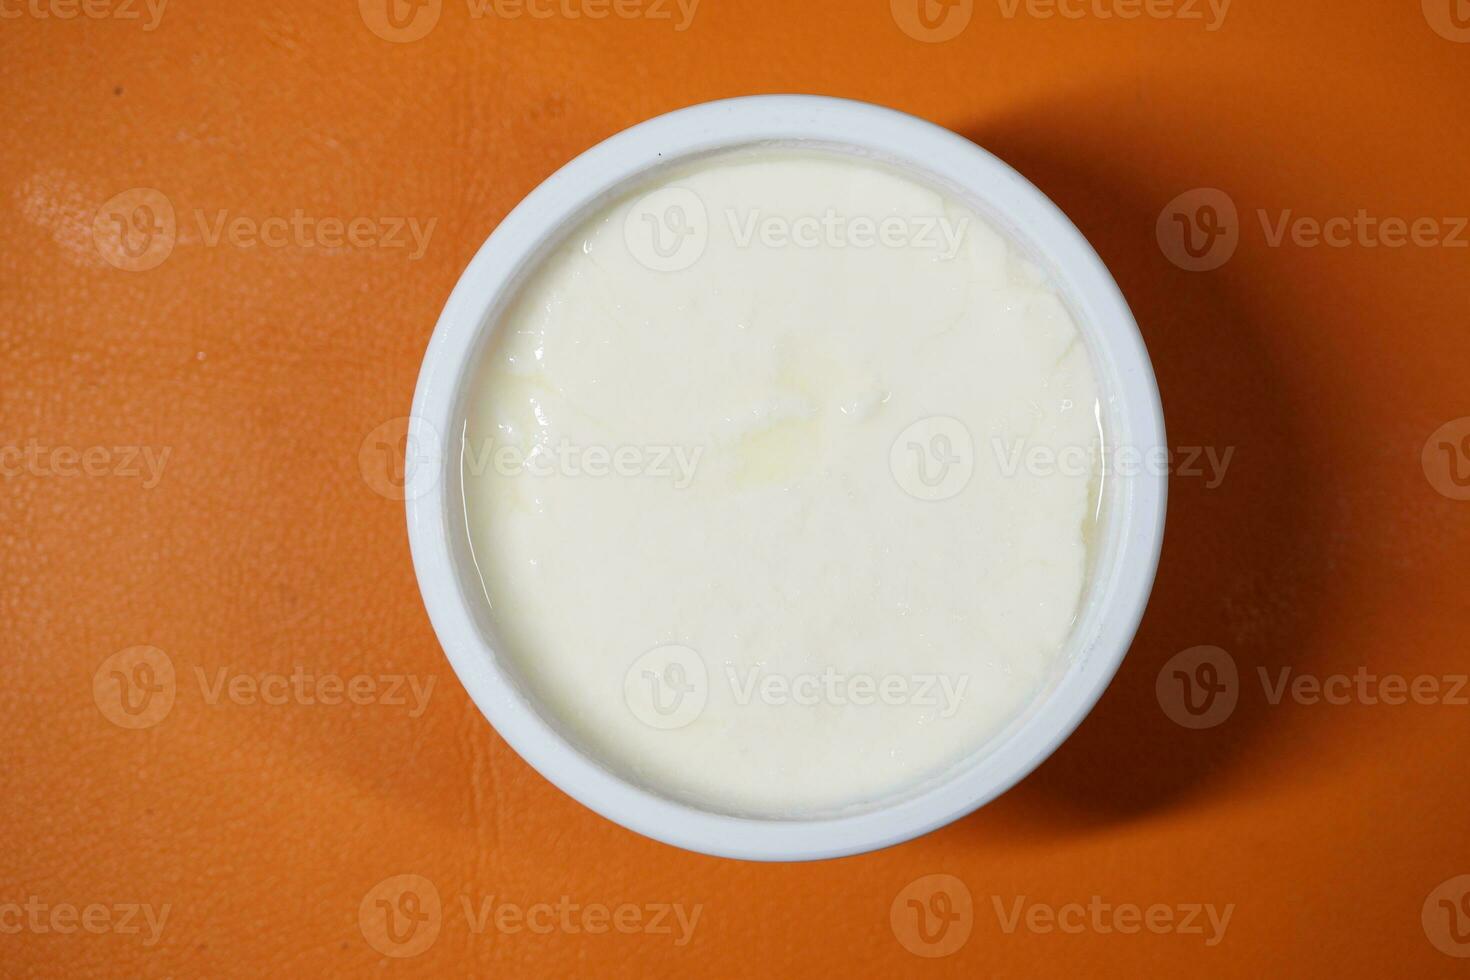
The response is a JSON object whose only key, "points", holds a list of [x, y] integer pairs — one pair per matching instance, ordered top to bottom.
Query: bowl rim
{"points": [[1136, 530]]}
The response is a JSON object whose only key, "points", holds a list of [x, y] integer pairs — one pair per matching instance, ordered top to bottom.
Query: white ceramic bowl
{"points": [[1128, 541]]}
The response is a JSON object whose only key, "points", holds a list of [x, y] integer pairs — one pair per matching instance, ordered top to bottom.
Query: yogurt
{"points": [[778, 475]]}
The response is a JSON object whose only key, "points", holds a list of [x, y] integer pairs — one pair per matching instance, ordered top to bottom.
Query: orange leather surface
{"points": [[186, 420]]}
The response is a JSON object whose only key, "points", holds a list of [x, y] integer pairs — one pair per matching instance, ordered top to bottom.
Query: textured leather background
{"points": [[262, 549]]}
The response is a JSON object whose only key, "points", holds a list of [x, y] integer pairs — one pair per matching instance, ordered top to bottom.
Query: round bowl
{"points": [[1124, 555]]}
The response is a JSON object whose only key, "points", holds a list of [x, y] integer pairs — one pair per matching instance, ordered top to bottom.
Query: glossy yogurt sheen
{"points": [[778, 477]]}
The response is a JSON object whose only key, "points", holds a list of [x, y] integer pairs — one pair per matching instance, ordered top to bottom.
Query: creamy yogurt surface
{"points": [[778, 476]]}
